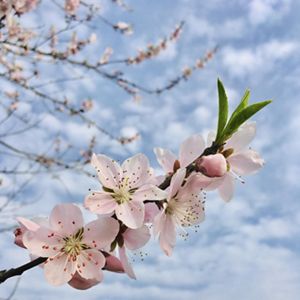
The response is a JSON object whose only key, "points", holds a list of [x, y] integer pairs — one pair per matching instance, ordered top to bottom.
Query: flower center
{"points": [[123, 194], [74, 245]]}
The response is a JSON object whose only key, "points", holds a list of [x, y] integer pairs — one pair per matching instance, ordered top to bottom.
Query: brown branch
{"points": [[5, 274]]}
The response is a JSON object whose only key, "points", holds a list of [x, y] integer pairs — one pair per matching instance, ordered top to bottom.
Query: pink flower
{"points": [[24, 6], [71, 6], [5, 7], [189, 150], [240, 159], [212, 165], [124, 189], [183, 209], [133, 239], [70, 246]]}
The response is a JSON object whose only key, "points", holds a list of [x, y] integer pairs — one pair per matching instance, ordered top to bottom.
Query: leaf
{"points": [[242, 105], [223, 109], [241, 117]]}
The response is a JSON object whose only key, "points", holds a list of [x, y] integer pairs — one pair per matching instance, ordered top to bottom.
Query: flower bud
{"points": [[212, 165], [19, 237], [79, 283]]}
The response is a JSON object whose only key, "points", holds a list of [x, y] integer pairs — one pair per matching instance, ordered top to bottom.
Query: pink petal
{"points": [[242, 138], [190, 149], [165, 158], [245, 162], [214, 165], [137, 169], [109, 171], [176, 182], [195, 183], [226, 189], [149, 192], [100, 203], [151, 210], [131, 213], [66, 219], [28, 224], [167, 232], [100, 233], [136, 238], [43, 242], [89, 264], [113, 264], [126, 265], [59, 269], [79, 283]]}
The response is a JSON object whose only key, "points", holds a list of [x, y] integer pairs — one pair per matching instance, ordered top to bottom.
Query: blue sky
{"points": [[247, 249]]}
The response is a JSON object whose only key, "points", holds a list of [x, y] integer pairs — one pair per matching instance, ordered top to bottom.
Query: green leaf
{"points": [[242, 105], [223, 109], [241, 117]]}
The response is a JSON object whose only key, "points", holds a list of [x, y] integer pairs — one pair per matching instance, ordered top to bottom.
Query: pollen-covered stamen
{"points": [[123, 193], [185, 213], [73, 244]]}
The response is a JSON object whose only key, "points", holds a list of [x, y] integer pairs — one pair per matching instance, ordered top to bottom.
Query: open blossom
{"points": [[190, 149], [240, 160], [124, 189], [183, 209], [72, 249]]}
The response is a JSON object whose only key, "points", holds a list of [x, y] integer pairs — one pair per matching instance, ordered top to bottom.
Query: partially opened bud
{"points": [[212, 165], [19, 237], [113, 264], [79, 283]]}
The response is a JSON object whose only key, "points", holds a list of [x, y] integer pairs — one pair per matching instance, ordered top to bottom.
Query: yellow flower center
{"points": [[123, 194], [74, 244]]}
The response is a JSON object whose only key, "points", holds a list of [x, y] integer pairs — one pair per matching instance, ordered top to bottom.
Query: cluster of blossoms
{"points": [[134, 203]]}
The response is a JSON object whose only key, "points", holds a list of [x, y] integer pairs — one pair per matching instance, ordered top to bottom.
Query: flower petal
{"points": [[242, 138], [190, 149], [165, 158], [245, 162], [137, 169], [109, 171], [176, 182], [226, 189], [149, 192], [100, 203], [151, 210], [131, 213], [66, 218], [167, 232], [100, 233], [136, 238], [43, 242], [89, 264], [126, 265], [59, 269]]}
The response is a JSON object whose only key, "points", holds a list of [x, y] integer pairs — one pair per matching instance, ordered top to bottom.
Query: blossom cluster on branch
{"points": [[44, 58], [134, 203]]}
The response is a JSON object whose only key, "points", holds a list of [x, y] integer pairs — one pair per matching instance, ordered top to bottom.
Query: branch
{"points": [[5, 274]]}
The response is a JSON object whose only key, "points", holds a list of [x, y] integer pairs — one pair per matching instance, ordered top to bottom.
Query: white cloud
{"points": [[263, 11], [257, 60]]}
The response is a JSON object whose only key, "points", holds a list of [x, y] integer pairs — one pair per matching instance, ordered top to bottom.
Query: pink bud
{"points": [[212, 165], [19, 237], [113, 264], [79, 283]]}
